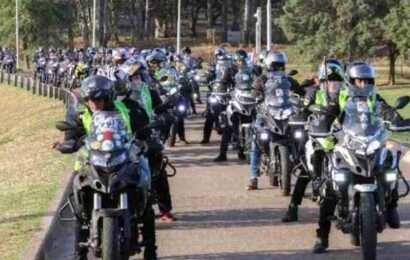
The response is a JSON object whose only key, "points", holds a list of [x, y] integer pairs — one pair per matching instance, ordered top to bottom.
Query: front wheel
{"points": [[172, 135], [285, 174], [368, 234], [110, 239]]}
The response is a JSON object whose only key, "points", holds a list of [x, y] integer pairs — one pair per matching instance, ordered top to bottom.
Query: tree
{"points": [[397, 29]]}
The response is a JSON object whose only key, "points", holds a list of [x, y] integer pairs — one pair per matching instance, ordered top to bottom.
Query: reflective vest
{"points": [[87, 118]]}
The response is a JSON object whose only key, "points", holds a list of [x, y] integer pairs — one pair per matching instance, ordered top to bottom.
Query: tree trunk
{"points": [[209, 5], [225, 19], [393, 54]]}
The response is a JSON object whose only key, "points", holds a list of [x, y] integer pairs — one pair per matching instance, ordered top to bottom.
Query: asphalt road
{"points": [[219, 219]]}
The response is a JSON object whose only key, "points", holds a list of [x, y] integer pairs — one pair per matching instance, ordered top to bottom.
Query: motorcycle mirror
{"points": [[293, 72], [163, 78], [401, 102], [65, 126]]}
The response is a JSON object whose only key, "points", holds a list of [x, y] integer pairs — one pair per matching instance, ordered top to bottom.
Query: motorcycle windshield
{"points": [[219, 87], [247, 96], [277, 96], [72, 105], [360, 120], [108, 133]]}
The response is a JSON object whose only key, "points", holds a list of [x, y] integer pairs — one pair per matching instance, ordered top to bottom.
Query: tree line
{"points": [[350, 28]]}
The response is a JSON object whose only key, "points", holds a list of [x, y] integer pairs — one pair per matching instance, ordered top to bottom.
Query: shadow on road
{"points": [[252, 217], [387, 251]]}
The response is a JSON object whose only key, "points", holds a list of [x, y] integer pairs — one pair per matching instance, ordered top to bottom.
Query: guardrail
{"points": [[34, 86]]}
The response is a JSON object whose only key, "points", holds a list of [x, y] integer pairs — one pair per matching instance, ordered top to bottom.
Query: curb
{"points": [[38, 244]]}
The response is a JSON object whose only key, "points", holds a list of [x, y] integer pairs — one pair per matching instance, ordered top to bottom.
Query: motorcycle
{"points": [[9, 64], [174, 92], [218, 100], [243, 103], [277, 137], [363, 173], [110, 198]]}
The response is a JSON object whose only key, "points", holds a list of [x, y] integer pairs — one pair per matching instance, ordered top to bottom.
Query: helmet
{"points": [[171, 49], [186, 50], [219, 52], [118, 55], [240, 56], [262, 56], [156, 57], [276, 60], [331, 69], [361, 70], [97, 87]]}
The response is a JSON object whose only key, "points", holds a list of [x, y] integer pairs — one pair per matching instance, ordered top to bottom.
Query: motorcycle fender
{"points": [[365, 187], [98, 215]]}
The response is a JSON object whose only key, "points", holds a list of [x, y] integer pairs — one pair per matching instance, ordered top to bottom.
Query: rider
{"points": [[275, 66], [360, 75], [331, 78], [134, 89], [97, 93], [232, 129]]}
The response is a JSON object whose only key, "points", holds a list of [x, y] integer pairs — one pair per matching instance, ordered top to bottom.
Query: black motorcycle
{"points": [[110, 197]]}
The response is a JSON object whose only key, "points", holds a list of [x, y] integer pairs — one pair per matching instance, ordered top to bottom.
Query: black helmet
{"points": [[186, 50], [240, 56], [97, 87]]}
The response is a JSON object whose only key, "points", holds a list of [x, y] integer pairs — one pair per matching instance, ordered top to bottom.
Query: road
{"points": [[219, 219]]}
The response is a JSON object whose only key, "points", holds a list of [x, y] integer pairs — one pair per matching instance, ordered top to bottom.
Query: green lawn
{"points": [[30, 171]]}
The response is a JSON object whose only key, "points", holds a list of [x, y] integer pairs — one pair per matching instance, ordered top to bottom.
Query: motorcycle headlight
{"points": [[245, 77], [197, 78], [173, 91], [213, 100], [181, 108], [298, 134], [264, 136], [373, 146], [391, 176], [339, 177]]}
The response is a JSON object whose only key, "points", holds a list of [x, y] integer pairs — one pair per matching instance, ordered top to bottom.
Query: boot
{"points": [[205, 141], [241, 156], [221, 158], [253, 184], [291, 215], [392, 218], [321, 244], [150, 253]]}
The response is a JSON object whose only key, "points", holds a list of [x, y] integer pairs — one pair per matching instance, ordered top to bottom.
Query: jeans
{"points": [[255, 158], [144, 170]]}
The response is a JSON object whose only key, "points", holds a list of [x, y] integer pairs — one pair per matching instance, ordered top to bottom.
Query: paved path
{"points": [[219, 219]]}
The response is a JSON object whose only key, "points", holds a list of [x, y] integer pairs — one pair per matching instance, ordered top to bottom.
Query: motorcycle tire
{"points": [[172, 136], [285, 173], [368, 230], [110, 239]]}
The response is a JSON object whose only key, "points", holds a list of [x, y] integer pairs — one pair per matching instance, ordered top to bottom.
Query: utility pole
{"points": [[94, 21], [269, 25], [179, 28], [245, 30], [17, 36], [258, 39]]}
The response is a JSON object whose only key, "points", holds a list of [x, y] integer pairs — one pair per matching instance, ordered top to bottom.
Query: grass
{"points": [[390, 95], [29, 170]]}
